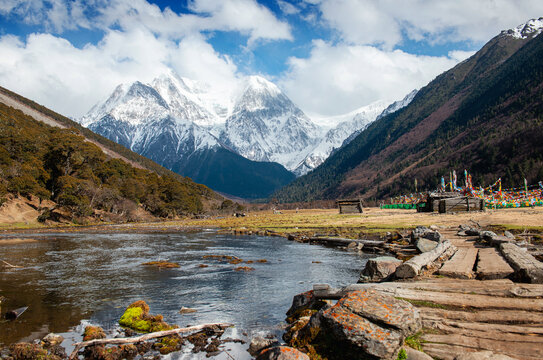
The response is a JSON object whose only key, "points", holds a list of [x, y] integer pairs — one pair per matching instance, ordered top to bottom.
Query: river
{"points": [[72, 279]]}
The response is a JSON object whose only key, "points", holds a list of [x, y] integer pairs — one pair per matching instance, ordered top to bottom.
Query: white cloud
{"points": [[287, 8], [245, 16], [384, 22], [140, 42], [53, 72], [336, 79]]}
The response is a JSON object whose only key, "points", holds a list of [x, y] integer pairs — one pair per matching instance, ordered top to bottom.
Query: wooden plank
{"points": [[461, 264], [491, 265], [526, 267], [498, 288], [460, 300], [502, 316], [451, 326], [517, 349], [449, 352]]}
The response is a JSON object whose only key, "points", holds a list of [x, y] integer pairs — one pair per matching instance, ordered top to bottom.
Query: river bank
{"points": [[391, 226]]}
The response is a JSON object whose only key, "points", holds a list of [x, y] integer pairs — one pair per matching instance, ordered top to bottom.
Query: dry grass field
{"points": [[373, 221]]}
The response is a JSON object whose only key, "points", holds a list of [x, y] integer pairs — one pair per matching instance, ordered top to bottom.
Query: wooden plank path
{"points": [[461, 264], [491, 265], [461, 314]]}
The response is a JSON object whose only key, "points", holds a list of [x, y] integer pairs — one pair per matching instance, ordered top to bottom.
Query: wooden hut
{"points": [[446, 202], [350, 206]]}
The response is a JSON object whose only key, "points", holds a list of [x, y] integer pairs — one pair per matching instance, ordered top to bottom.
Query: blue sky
{"points": [[329, 56]]}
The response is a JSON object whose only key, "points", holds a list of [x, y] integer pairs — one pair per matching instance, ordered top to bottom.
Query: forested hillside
{"points": [[484, 115], [60, 165]]}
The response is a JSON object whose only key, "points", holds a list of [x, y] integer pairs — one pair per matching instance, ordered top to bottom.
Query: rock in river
{"points": [[379, 269], [282, 353]]}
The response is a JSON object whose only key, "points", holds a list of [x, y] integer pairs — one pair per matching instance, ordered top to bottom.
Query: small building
{"points": [[447, 202], [350, 206]]}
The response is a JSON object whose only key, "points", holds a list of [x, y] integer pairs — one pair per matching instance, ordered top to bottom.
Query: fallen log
{"points": [[332, 241], [9, 265], [413, 266], [527, 268], [14, 314], [150, 336]]}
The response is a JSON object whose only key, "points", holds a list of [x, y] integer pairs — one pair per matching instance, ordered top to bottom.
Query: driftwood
{"points": [[333, 241], [9, 265], [525, 265], [413, 266], [14, 314], [150, 336]]}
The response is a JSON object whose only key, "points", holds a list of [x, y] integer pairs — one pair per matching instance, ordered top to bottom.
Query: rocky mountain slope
{"points": [[483, 115]]}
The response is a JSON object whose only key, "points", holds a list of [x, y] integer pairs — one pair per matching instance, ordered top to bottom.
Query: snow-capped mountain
{"points": [[531, 28], [395, 106], [354, 121], [177, 122], [266, 125], [165, 130]]}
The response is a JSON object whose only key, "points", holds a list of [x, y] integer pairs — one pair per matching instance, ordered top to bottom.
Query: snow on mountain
{"points": [[531, 28], [395, 106], [174, 117], [354, 121], [159, 122], [266, 125]]}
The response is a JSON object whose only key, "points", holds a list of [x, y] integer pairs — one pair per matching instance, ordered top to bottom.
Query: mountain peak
{"points": [[531, 28], [260, 84]]}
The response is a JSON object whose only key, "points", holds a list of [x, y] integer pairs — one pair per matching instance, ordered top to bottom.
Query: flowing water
{"points": [[79, 278]]}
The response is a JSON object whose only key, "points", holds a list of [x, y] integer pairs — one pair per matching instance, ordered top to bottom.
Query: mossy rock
{"points": [[137, 317], [93, 333], [169, 344], [27, 351]]}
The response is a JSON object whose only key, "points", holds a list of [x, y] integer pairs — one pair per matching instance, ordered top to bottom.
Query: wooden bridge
{"points": [[461, 314]]}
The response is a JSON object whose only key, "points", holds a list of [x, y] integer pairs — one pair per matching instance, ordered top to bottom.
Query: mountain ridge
{"points": [[417, 142]]}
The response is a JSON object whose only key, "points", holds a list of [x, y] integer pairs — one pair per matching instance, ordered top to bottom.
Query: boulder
{"points": [[434, 227], [418, 232], [424, 232], [472, 232], [461, 233], [508, 234], [487, 235], [425, 245], [379, 269], [301, 302], [369, 324], [52, 339], [260, 343], [281, 353], [482, 355]]}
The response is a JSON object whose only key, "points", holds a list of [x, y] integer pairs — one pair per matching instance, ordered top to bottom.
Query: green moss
{"points": [[424, 303], [133, 319], [415, 341], [169, 344], [402, 355]]}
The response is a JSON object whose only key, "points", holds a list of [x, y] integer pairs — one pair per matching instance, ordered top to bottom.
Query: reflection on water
{"points": [[70, 277]]}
